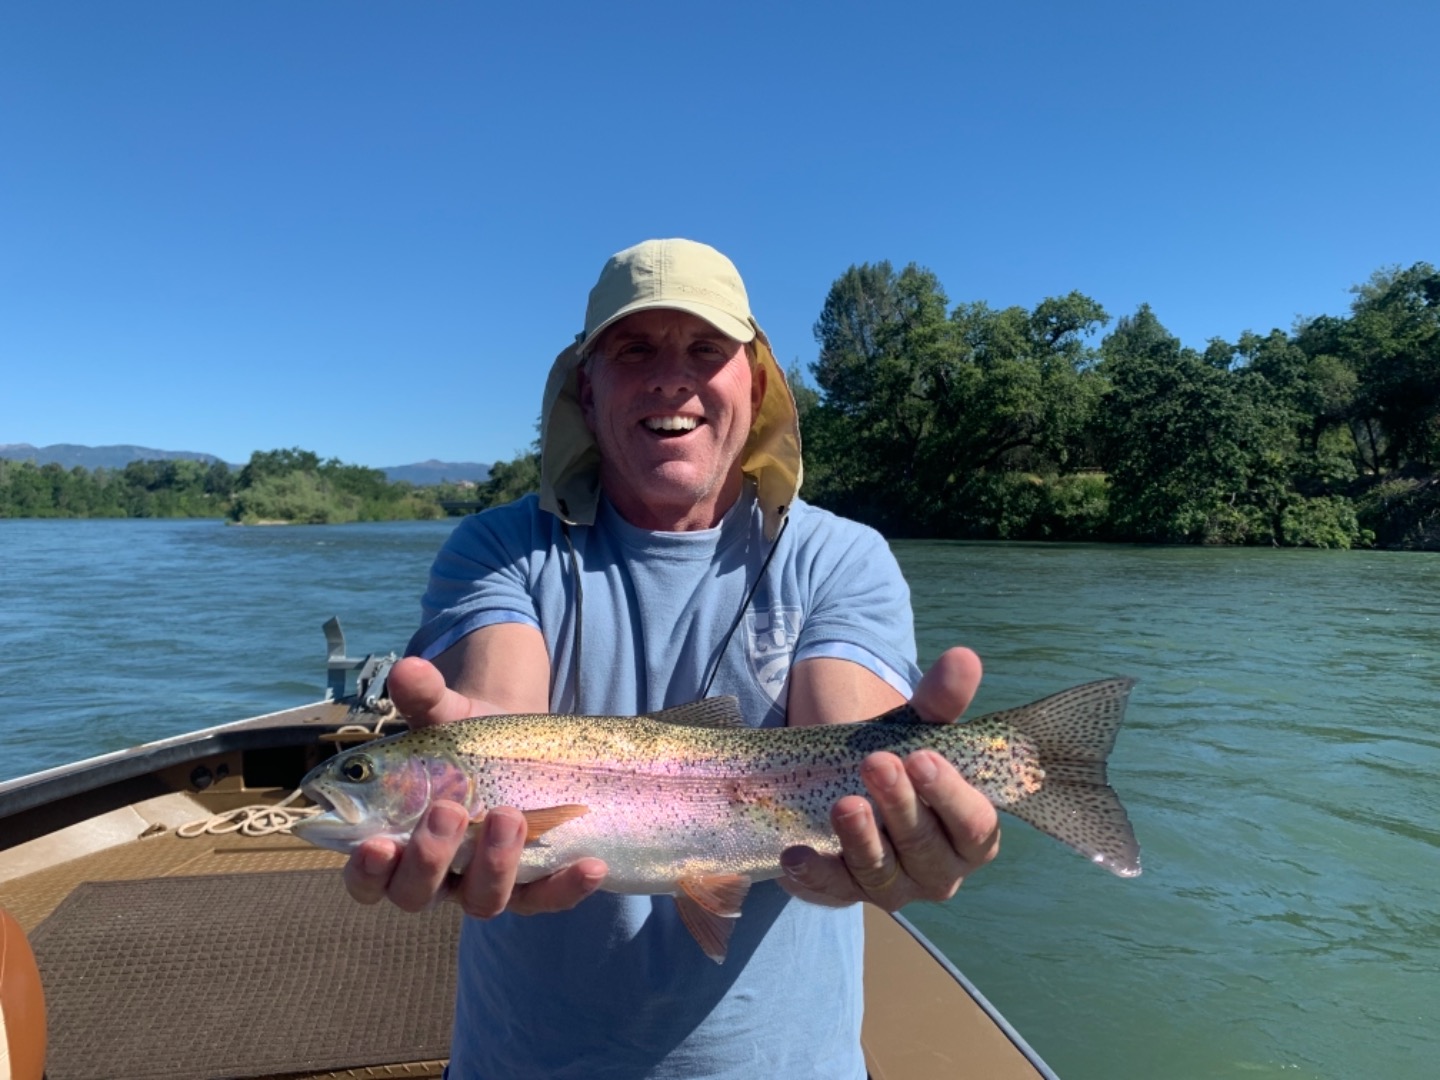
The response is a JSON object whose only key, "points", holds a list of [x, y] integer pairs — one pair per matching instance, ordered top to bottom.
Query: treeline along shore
{"points": [[972, 422], [291, 486]]}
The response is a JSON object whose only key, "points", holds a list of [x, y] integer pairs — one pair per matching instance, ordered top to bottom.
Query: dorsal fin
{"points": [[723, 711], [901, 714]]}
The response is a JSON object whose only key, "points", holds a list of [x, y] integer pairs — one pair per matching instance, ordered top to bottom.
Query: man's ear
{"points": [[757, 389], [587, 396]]}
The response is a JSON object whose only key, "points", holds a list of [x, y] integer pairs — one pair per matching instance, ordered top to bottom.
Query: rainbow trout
{"points": [[691, 802]]}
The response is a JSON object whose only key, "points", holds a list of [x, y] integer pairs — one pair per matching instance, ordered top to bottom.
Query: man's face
{"points": [[669, 400]]}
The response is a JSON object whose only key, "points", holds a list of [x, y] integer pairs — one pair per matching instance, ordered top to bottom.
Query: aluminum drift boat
{"points": [[238, 954]]}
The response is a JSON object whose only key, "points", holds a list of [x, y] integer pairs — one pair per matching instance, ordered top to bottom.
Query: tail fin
{"points": [[1074, 732]]}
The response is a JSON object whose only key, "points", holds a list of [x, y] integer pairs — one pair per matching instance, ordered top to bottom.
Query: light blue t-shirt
{"points": [[617, 987]]}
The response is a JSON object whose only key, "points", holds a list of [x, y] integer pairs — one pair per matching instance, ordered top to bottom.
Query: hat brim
{"points": [[727, 324]]}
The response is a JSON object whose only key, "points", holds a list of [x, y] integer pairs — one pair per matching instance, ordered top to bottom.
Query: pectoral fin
{"points": [[539, 822], [709, 905]]}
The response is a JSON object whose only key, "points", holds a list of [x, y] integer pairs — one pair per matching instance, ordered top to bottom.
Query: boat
{"points": [[161, 939]]}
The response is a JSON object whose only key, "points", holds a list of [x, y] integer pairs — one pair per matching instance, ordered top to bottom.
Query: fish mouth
{"points": [[334, 805], [339, 825]]}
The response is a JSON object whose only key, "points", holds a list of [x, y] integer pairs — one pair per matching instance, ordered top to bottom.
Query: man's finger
{"points": [[949, 686], [420, 693], [967, 816], [923, 849], [869, 858], [426, 860], [367, 874], [490, 877], [818, 879], [559, 891]]}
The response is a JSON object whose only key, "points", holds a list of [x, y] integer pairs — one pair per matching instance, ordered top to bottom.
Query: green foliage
{"points": [[1392, 342], [885, 347], [921, 403], [1008, 423], [1195, 453], [511, 480], [278, 485], [296, 486], [141, 489], [298, 497], [1402, 511], [1328, 521]]}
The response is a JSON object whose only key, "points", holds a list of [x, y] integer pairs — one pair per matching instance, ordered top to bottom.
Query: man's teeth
{"points": [[671, 423]]}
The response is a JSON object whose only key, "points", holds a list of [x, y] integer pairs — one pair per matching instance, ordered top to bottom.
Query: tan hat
{"points": [[680, 275]]}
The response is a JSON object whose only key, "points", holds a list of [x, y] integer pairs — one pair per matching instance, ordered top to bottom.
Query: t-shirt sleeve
{"points": [[480, 577], [859, 607]]}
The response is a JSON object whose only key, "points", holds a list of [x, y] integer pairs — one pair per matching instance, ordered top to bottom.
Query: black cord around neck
{"points": [[739, 615], [579, 616], [576, 634]]}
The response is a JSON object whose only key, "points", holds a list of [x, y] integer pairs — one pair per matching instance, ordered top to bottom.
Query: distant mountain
{"points": [[69, 455], [438, 472]]}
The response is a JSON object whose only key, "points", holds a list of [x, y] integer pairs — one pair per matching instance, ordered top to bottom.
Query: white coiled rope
{"points": [[266, 819]]}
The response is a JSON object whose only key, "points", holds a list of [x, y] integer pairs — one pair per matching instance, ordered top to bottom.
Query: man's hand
{"points": [[937, 828], [417, 876]]}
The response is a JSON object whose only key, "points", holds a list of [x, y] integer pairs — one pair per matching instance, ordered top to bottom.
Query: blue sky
{"points": [[366, 228]]}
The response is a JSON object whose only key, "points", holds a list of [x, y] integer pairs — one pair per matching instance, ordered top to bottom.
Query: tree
{"points": [[884, 338], [1392, 341], [1193, 452], [511, 480]]}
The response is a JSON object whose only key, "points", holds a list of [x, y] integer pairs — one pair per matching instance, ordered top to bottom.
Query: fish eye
{"points": [[357, 769]]}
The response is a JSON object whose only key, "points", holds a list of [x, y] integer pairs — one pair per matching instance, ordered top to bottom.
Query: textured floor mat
{"points": [[240, 975]]}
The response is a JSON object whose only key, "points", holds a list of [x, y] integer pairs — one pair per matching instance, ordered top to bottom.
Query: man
{"points": [[667, 557]]}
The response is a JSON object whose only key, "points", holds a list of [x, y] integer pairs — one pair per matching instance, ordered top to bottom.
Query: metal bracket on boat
{"points": [[371, 671]]}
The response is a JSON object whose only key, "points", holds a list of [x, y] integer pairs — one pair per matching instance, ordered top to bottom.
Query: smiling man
{"points": [[669, 399], [667, 557]]}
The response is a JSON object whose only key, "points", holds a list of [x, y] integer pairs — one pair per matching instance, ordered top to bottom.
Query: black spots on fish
{"points": [[869, 737], [1076, 772]]}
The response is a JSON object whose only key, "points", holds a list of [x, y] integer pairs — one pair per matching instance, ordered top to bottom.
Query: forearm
{"points": [[505, 665], [826, 690]]}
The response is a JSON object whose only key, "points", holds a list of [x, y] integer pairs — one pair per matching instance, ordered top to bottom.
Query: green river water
{"points": [[1279, 759]]}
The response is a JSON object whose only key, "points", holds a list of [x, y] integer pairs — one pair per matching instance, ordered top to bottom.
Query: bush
{"points": [[297, 497], [1075, 507], [1403, 511], [1325, 522]]}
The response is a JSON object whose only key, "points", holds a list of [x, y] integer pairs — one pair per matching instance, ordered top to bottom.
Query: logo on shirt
{"points": [[769, 644]]}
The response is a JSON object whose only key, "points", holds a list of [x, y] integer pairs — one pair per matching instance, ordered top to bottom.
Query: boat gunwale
{"points": [[278, 729], [997, 1017]]}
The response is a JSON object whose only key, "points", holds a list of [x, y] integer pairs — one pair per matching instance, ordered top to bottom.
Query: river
{"points": [[1279, 760]]}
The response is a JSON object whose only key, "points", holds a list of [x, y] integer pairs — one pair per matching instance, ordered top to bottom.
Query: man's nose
{"points": [[672, 370]]}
